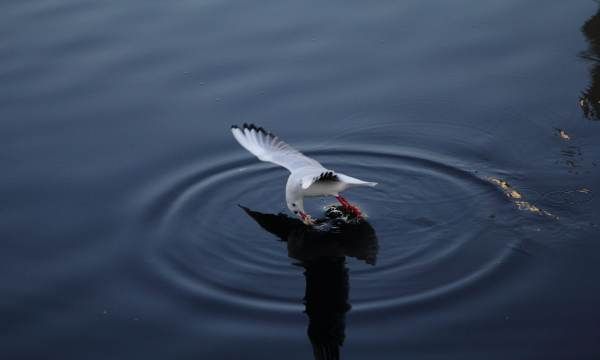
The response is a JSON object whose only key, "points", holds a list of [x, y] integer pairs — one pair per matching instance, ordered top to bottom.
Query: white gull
{"points": [[307, 178]]}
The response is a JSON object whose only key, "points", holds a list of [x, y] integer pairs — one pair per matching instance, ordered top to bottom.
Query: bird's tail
{"points": [[354, 181]]}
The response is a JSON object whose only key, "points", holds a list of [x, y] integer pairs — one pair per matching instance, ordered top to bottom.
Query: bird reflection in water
{"points": [[590, 97], [322, 250]]}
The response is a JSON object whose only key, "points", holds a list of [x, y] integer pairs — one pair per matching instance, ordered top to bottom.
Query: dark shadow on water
{"points": [[590, 97], [322, 252]]}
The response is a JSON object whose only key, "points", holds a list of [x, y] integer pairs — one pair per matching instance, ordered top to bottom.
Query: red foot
{"points": [[349, 207]]}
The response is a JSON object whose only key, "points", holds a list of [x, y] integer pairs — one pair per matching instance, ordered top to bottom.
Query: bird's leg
{"points": [[342, 201], [351, 208], [306, 219]]}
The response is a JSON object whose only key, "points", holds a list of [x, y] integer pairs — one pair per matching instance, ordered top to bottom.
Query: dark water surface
{"points": [[120, 234]]}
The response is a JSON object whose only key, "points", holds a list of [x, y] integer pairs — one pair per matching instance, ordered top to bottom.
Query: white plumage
{"points": [[307, 176]]}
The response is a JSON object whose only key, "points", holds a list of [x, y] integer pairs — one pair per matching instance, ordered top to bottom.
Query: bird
{"points": [[308, 178]]}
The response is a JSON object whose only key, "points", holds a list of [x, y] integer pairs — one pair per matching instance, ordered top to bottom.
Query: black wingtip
{"points": [[251, 126], [260, 129]]}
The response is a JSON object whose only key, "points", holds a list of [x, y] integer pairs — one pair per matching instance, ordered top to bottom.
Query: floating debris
{"points": [[563, 134], [503, 184], [508, 190], [584, 190], [514, 194], [517, 198], [336, 211]]}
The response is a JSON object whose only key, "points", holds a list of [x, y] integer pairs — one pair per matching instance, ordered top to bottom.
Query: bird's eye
{"points": [[293, 204], [295, 211]]}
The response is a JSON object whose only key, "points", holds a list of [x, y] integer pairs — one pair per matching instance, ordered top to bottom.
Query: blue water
{"points": [[120, 231]]}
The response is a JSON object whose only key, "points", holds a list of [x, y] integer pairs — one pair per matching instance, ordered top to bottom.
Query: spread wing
{"points": [[268, 147]]}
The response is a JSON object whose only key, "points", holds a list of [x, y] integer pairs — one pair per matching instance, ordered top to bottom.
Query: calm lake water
{"points": [[120, 231]]}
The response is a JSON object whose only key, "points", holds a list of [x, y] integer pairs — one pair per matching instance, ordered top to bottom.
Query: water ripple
{"points": [[431, 218]]}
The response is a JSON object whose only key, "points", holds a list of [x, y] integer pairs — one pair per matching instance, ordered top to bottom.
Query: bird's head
{"points": [[296, 205]]}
